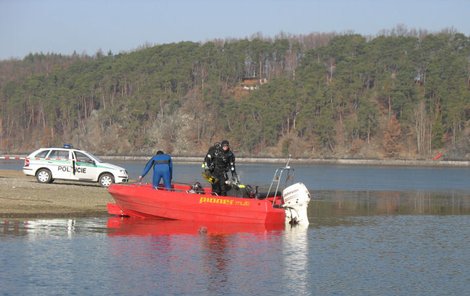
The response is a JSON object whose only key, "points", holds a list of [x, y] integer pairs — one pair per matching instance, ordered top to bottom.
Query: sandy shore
{"points": [[24, 197]]}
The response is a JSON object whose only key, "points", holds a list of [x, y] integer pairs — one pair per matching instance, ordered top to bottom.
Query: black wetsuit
{"points": [[219, 162]]}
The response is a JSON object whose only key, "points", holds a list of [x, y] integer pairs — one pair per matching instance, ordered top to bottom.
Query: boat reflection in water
{"points": [[148, 227], [295, 256], [212, 259]]}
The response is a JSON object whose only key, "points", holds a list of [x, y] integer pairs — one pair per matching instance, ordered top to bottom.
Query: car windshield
{"points": [[94, 157]]}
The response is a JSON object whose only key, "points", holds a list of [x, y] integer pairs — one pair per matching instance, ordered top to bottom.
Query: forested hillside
{"points": [[397, 95]]}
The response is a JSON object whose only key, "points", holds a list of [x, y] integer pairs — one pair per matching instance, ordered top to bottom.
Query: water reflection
{"points": [[366, 203], [327, 208], [144, 227], [13, 228], [50, 228], [352, 255], [203, 256], [295, 257], [216, 260]]}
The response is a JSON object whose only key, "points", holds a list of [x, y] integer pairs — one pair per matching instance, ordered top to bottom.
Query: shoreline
{"points": [[319, 161], [342, 161], [22, 197]]}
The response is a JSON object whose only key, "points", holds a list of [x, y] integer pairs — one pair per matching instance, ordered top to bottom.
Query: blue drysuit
{"points": [[162, 169]]}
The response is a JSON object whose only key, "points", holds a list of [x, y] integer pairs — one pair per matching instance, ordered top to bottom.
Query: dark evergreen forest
{"points": [[399, 95]]}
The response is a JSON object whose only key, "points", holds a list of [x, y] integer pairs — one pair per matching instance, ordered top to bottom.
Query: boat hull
{"points": [[137, 200]]}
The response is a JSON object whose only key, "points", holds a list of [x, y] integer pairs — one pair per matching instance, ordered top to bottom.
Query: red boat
{"points": [[183, 202], [119, 226]]}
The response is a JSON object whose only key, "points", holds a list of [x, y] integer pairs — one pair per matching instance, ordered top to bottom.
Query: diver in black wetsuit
{"points": [[218, 161]]}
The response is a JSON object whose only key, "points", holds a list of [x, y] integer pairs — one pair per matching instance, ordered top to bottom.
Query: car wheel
{"points": [[44, 176], [106, 179]]}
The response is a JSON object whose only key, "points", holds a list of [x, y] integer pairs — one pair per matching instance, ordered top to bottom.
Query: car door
{"points": [[60, 164], [85, 167]]}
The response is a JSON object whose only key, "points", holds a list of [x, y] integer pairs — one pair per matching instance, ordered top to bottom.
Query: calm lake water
{"points": [[373, 231]]}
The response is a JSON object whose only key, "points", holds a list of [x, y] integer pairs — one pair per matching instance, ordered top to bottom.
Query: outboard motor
{"points": [[296, 198]]}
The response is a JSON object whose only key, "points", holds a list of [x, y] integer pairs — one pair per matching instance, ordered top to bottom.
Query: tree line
{"points": [[401, 94]]}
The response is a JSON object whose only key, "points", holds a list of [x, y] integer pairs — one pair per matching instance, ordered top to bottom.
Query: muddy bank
{"points": [[24, 197]]}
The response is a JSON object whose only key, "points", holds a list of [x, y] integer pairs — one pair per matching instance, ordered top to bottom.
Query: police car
{"points": [[67, 163]]}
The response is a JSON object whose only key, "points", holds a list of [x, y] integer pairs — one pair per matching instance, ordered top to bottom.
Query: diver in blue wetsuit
{"points": [[162, 169]]}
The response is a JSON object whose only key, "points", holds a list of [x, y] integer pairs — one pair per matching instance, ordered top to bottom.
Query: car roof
{"points": [[62, 148]]}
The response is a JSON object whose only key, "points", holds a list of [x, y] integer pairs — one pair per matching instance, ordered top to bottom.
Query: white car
{"points": [[48, 164]]}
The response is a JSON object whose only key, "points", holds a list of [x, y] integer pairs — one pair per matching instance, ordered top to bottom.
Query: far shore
{"points": [[330, 161], [376, 162]]}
